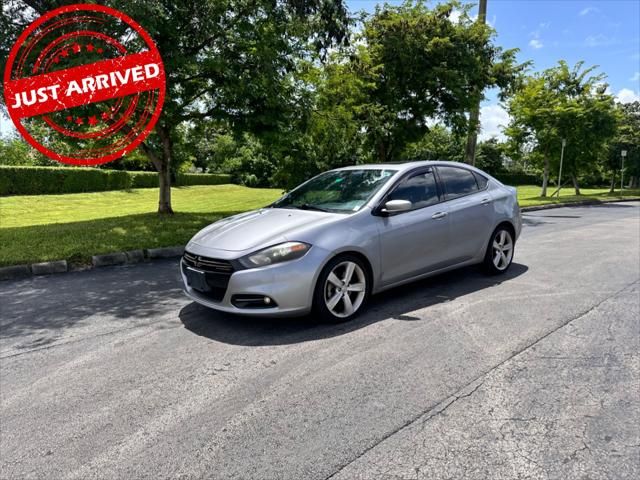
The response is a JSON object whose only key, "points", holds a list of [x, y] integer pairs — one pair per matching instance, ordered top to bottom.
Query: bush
{"points": [[519, 178], [143, 179], [184, 179], [18, 180]]}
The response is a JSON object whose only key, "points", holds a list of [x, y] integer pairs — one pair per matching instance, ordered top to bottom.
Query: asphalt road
{"points": [[113, 373]]}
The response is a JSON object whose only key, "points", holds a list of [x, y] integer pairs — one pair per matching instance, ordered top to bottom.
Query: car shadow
{"points": [[397, 303]]}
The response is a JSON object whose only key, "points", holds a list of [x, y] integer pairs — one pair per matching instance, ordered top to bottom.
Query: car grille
{"points": [[208, 264], [217, 273]]}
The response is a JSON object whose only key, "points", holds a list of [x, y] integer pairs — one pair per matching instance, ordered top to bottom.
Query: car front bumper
{"points": [[289, 284]]}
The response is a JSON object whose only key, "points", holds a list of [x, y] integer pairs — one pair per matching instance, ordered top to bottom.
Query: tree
{"points": [[229, 60], [419, 65], [563, 103], [331, 135], [627, 138], [439, 143], [15, 151], [491, 155]]}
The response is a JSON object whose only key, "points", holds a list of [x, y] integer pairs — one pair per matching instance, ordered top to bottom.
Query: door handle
{"points": [[485, 201], [439, 215]]}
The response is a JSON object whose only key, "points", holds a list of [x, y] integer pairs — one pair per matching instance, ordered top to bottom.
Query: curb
{"points": [[582, 203], [167, 252], [135, 256], [130, 257], [108, 259], [47, 268], [15, 271]]}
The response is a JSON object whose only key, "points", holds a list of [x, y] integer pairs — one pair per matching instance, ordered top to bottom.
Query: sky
{"points": [[604, 33]]}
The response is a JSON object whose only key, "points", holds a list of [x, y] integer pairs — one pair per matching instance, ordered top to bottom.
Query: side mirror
{"points": [[396, 206]]}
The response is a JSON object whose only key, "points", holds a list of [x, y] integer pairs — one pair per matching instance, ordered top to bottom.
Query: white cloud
{"points": [[588, 10], [456, 15], [597, 40], [535, 43], [636, 77], [627, 95], [493, 118]]}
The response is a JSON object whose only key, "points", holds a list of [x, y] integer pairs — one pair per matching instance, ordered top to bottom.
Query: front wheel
{"points": [[499, 251], [342, 289]]}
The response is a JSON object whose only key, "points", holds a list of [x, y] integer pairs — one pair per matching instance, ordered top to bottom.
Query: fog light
{"points": [[253, 301]]}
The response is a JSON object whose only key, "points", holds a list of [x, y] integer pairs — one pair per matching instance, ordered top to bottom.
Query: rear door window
{"points": [[458, 182]]}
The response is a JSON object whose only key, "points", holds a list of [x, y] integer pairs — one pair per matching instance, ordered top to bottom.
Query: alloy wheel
{"points": [[502, 249], [345, 289]]}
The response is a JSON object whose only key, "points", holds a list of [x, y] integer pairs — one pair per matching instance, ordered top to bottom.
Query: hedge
{"points": [[519, 178], [185, 179], [47, 180]]}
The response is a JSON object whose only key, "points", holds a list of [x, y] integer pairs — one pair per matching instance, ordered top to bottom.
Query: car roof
{"points": [[408, 165]]}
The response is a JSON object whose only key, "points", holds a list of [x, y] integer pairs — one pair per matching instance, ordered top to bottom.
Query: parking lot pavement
{"points": [[113, 373], [567, 407]]}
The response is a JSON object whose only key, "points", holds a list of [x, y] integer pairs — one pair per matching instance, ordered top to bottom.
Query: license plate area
{"points": [[197, 280]]}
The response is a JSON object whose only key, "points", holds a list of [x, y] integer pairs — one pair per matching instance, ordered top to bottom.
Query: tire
{"points": [[500, 249], [333, 300]]}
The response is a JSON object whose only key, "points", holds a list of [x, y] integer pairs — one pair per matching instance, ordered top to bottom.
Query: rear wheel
{"points": [[499, 251], [342, 289]]}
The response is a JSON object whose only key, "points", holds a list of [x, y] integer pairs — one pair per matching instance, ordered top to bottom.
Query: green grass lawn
{"points": [[528, 195], [76, 226]]}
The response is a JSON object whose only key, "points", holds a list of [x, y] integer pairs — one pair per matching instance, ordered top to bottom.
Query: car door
{"points": [[470, 211], [413, 242]]}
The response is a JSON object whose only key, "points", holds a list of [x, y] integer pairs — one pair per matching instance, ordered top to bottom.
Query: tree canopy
{"points": [[420, 64], [274, 91], [563, 103]]}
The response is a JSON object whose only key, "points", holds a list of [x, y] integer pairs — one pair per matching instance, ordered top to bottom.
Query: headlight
{"points": [[276, 254]]}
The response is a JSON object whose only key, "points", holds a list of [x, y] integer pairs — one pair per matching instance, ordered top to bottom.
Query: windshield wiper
{"points": [[308, 206]]}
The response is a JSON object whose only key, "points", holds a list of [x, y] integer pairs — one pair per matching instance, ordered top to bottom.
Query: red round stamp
{"points": [[84, 84]]}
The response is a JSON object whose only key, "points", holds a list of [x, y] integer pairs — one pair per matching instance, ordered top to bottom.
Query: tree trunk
{"points": [[474, 114], [472, 139], [382, 152], [163, 166], [164, 172], [545, 177], [613, 181], [633, 182], [575, 184]]}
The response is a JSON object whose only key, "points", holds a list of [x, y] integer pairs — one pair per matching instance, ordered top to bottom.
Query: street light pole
{"points": [[564, 143], [623, 154]]}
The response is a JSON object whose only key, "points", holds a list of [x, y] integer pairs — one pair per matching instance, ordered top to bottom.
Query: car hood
{"points": [[263, 227]]}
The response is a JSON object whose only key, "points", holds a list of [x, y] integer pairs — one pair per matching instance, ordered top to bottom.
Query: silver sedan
{"points": [[346, 234]]}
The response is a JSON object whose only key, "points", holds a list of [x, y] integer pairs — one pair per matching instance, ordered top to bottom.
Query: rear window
{"points": [[482, 180], [458, 182]]}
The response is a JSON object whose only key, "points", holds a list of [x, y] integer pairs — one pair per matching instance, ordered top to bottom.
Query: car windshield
{"points": [[336, 191]]}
